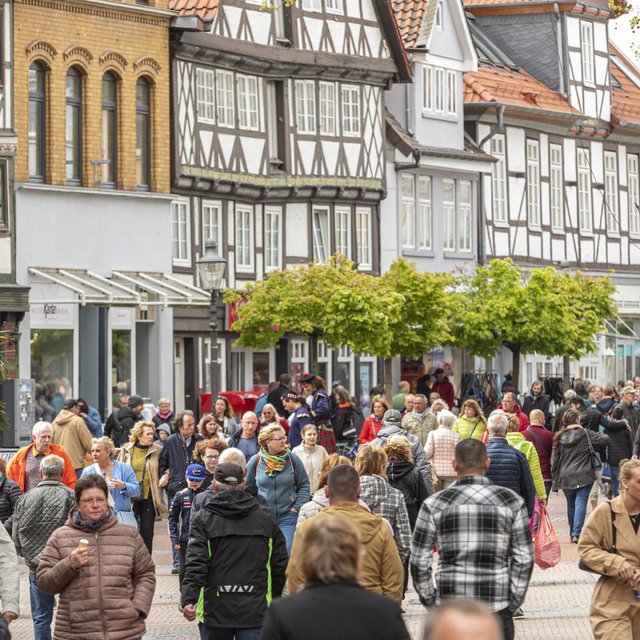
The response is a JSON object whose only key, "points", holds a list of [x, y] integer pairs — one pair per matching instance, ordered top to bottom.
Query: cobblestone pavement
{"points": [[556, 607]]}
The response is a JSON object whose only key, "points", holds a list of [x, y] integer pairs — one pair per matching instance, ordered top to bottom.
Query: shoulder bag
{"points": [[593, 456], [612, 549]]}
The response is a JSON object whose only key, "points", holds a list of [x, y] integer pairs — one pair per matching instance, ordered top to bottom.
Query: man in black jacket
{"points": [[276, 395], [127, 417], [112, 428], [236, 561]]}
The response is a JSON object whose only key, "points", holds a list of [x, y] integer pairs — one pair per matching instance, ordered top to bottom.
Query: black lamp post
{"points": [[211, 268]]}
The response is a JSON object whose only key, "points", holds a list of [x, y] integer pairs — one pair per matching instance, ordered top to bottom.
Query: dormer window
{"points": [[586, 46]]}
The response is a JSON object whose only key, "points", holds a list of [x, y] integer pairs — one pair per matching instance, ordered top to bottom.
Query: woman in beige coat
{"points": [[440, 449], [143, 454], [101, 569], [615, 611]]}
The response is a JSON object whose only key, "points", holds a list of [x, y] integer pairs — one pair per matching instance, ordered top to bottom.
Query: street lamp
{"points": [[211, 268]]}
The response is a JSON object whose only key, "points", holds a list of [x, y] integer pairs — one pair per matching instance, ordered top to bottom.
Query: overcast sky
{"points": [[624, 39]]}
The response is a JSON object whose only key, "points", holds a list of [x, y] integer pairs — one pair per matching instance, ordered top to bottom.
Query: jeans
{"points": [[615, 485], [577, 507], [146, 517], [287, 524], [175, 553], [41, 610], [506, 620], [216, 633]]}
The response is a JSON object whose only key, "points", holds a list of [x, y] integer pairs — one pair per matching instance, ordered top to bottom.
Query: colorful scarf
{"points": [[275, 464], [92, 525]]}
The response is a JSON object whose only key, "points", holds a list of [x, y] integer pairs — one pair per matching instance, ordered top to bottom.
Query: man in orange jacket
{"points": [[24, 467]]}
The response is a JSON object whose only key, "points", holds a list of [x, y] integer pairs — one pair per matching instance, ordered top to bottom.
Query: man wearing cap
{"points": [[444, 387], [627, 396], [127, 417], [300, 417], [71, 431], [180, 512], [234, 585]]}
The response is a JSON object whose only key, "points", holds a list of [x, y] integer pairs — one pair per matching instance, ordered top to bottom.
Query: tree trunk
{"points": [[515, 368], [566, 373], [388, 382]]}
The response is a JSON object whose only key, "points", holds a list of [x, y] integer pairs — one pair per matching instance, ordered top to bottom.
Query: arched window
{"points": [[37, 115], [109, 129], [143, 133], [73, 137]]}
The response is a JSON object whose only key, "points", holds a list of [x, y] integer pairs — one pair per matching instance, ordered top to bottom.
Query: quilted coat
{"points": [[10, 493], [110, 597]]}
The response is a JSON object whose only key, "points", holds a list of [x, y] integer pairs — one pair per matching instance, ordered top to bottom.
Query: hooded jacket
{"points": [[522, 417], [71, 431], [570, 460], [403, 476], [383, 499], [318, 503], [236, 561], [381, 569], [110, 597]]}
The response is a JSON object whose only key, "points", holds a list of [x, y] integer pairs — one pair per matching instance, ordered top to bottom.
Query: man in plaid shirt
{"points": [[482, 535]]}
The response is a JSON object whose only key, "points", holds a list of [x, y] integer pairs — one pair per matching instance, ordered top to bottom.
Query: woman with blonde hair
{"points": [[271, 416], [471, 423], [143, 455], [278, 475], [381, 497], [610, 545], [332, 604]]}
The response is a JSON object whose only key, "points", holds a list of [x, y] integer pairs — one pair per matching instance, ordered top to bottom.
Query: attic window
{"points": [[438, 18]]}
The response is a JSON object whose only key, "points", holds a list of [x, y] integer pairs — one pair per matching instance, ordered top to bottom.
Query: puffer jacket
{"points": [[418, 426], [469, 428], [71, 431], [519, 442], [440, 449], [419, 456], [570, 460], [509, 468], [404, 477], [10, 493], [383, 499], [318, 503], [40, 512], [381, 569], [10, 572], [110, 597]]}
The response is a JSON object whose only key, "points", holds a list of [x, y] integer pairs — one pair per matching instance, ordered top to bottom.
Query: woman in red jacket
{"points": [[373, 423]]}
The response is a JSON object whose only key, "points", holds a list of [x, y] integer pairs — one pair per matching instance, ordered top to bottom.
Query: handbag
{"points": [[593, 456], [140, 496], [126, 517], [546, 548], [612, 549]]}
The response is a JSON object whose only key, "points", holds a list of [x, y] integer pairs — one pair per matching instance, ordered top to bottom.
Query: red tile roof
{"points": [[205, 9], [409, 15], [626, 99]]}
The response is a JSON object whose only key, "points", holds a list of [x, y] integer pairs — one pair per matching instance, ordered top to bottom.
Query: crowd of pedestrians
{"points": [[301, 499]]}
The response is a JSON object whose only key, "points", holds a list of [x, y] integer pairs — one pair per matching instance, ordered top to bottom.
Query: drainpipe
{"points": [[556, 10], [408, 104]]}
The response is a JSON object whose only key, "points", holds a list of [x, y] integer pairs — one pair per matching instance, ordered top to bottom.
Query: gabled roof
{"points": [[204, 9], [410, 16], [626, 97]]}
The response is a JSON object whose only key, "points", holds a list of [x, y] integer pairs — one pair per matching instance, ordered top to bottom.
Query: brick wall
{"points": [[127, 40]]}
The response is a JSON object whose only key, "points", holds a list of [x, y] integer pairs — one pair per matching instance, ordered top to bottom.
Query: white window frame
{"points": [[312, 5], [334, 6], [438, 17], [587, 53], [427, 88], [439, 89], [452, 93], [305, 94], [205, 95], [225, 98], [248, 102], [327, 108], [351, 110], [499, 179], [533, 183], [556, 187], [633, 194], [585, 204], [211, 209], [408, 209], [424, 211], [612, 214], [342, 216], [449, 216], [465, 218], [180, 232], [319, 235], [244, 238], [364, 239], [272, 246], [299, 351], [324, 356]]}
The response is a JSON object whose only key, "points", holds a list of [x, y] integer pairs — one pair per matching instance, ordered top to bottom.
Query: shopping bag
{"points": [[534, 522], [546, 548]]}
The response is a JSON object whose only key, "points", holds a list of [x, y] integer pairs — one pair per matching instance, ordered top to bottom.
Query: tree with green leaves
{"points": [[545, 311]]}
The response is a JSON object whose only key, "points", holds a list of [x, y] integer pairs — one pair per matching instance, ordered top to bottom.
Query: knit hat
{"points": [[135, 401], [391, 416], [195, 472], [229, 473]]}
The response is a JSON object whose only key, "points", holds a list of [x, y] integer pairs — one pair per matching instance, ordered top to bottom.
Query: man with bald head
{"points": [[246, 438], [542, 440], [462, 620]]}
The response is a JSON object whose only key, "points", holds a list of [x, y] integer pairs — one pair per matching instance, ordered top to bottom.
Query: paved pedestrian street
{"points": [[556, 607]]}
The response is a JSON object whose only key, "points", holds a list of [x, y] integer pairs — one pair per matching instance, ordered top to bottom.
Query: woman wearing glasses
{"points": [[277, 474], [101, 569]]}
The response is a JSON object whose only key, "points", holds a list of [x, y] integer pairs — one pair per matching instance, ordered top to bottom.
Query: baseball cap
{"points": [[195, 472], [229, 473]]}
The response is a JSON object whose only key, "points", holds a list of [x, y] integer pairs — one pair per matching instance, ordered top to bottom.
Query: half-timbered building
{"points": [[556, 104], [278, 136]]}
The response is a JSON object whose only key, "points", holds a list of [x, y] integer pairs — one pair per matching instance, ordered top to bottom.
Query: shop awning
{"points": [[86, 288], [165, 290]]}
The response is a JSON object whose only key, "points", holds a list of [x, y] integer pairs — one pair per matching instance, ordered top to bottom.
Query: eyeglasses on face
{"points": [[281, 439], [92, 500]]}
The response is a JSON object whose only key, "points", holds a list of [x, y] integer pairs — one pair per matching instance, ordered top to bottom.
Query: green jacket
{"points": [[464, 427], [519, 442]]}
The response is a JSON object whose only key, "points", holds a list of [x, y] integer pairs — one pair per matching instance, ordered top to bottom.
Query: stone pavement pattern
{"points": [[556, 608]]}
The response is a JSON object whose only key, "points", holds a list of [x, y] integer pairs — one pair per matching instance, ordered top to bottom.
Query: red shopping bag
{"points": [[546, 548]]}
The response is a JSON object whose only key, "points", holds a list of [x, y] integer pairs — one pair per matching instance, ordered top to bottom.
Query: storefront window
{"points": [[120, 364], [52, 369], [260, 371]]}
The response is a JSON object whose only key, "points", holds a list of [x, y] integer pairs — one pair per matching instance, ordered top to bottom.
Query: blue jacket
{"points": [[321, 408], [298, 419], [94, 422], [175, 458], [509, 468], [121, 471], [285, 490], [181, 510]]}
